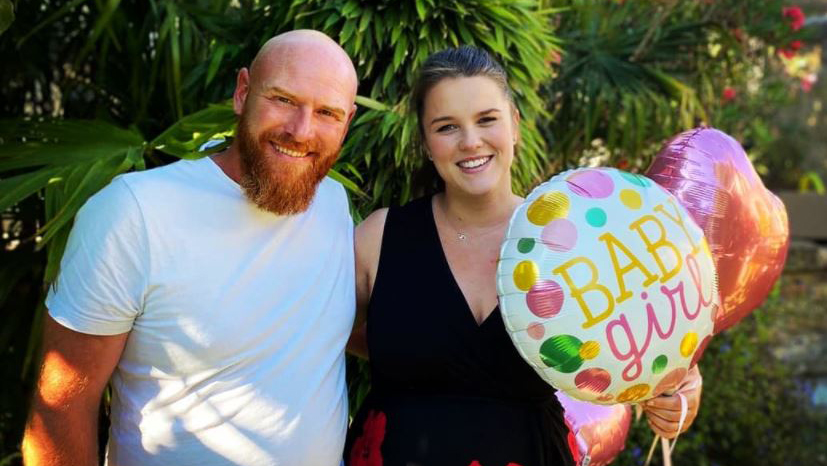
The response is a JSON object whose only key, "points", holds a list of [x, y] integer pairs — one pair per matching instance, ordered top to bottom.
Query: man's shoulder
{"points": [[181, 171], [331, 187], [332, 191]]}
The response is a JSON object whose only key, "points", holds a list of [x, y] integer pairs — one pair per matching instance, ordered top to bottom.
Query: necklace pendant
{"points": [[461, 236]]}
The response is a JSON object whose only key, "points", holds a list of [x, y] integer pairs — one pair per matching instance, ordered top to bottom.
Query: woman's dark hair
{"points": [[462, 62]]}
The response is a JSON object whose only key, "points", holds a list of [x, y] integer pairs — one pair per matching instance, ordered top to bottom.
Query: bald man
{"points": [[216, 295]]}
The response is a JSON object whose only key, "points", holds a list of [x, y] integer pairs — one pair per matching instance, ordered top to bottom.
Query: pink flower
{"points": [[796, 16], [554, 57], [807, 82], [728, 94]]}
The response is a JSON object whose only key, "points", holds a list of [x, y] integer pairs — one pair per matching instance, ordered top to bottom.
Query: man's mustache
{"points": [[287, 141]]}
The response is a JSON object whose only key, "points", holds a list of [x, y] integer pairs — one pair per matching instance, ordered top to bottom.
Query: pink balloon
{"points": [[744, 223], [599, 430]]}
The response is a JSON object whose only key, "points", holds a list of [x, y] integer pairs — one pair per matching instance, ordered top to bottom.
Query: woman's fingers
{"points": [[664, 412]]}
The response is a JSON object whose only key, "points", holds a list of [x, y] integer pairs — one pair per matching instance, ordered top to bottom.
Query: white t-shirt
{"points": [[238, 318]]}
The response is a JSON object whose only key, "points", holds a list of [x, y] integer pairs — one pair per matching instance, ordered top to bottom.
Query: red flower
{"points": [[795, 15], [796, 45], [787, 53], [728, 94], [622, 164], [366, 449], [477, 463]]}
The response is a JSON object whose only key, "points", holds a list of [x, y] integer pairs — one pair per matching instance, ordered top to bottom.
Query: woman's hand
{"points": [[664, 412]]}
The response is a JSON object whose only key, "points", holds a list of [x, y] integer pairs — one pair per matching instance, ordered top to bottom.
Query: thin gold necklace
{"points": [[462, 236]]}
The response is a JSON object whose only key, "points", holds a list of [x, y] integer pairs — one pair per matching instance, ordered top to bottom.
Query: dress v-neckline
{"points": [[469, 313]]}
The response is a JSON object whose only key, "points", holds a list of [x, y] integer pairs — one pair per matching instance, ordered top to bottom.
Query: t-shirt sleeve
{"points": [[103, 273]]}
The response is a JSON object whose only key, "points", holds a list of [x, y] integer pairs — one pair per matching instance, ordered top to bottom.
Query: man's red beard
{"points": [[279, 186]]}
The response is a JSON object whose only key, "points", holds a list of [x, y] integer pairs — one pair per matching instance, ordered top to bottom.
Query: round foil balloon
{"points": [[745, 224], [606, 286], [599, 431]]}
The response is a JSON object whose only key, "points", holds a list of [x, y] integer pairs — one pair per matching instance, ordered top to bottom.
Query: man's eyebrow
{"points": [[278, 90], [335, 110], [339, 112], [445, 118]]}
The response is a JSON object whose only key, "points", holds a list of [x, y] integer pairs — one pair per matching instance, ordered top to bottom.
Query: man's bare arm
{"points": [[63, 421]]}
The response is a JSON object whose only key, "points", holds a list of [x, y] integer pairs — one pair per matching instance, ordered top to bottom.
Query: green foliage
{"points": [[6, 15], [628, 85], [753, 409]]}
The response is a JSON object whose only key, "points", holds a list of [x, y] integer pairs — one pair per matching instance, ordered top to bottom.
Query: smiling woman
{"points": [[470, 130], [449, 387], [464, 397]]}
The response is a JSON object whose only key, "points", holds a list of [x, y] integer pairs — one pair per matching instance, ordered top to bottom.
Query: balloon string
{"points": [[684, 410], [667, 448], [651, 450], [667, 453]]}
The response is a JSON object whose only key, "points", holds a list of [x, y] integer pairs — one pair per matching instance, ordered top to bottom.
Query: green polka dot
{"points": [[638, 180], [596, 217], [525, 245], [562, 352], [659, 364]]}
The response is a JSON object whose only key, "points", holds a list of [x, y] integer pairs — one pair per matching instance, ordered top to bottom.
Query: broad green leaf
{"points": [[350, 7], [421, 10], [6, 15], [364, 21], [347, 31], [216, 61], [371, 103], [183, 138], [28, 144], [95, 176], [347, 183], [17, 188]]}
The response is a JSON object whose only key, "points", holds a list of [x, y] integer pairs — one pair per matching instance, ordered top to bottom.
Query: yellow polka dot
{"points": [[631, 199], [548, 207], [525, 275], [688, 344], [589, 350], [633, 393]]}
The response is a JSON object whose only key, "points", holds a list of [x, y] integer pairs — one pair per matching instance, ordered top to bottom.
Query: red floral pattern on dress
{"points": [[366, 449], [477, 463]]}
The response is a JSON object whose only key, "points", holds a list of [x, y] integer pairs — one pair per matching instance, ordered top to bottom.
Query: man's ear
{"points": [[242, 87], [349, 120]]}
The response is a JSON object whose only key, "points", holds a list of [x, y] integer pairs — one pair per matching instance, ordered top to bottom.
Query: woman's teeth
{"points": [[291, 153], [474, 163]]}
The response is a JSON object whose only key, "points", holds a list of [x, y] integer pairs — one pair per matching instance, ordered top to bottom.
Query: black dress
{"points": [[445, 391]]}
